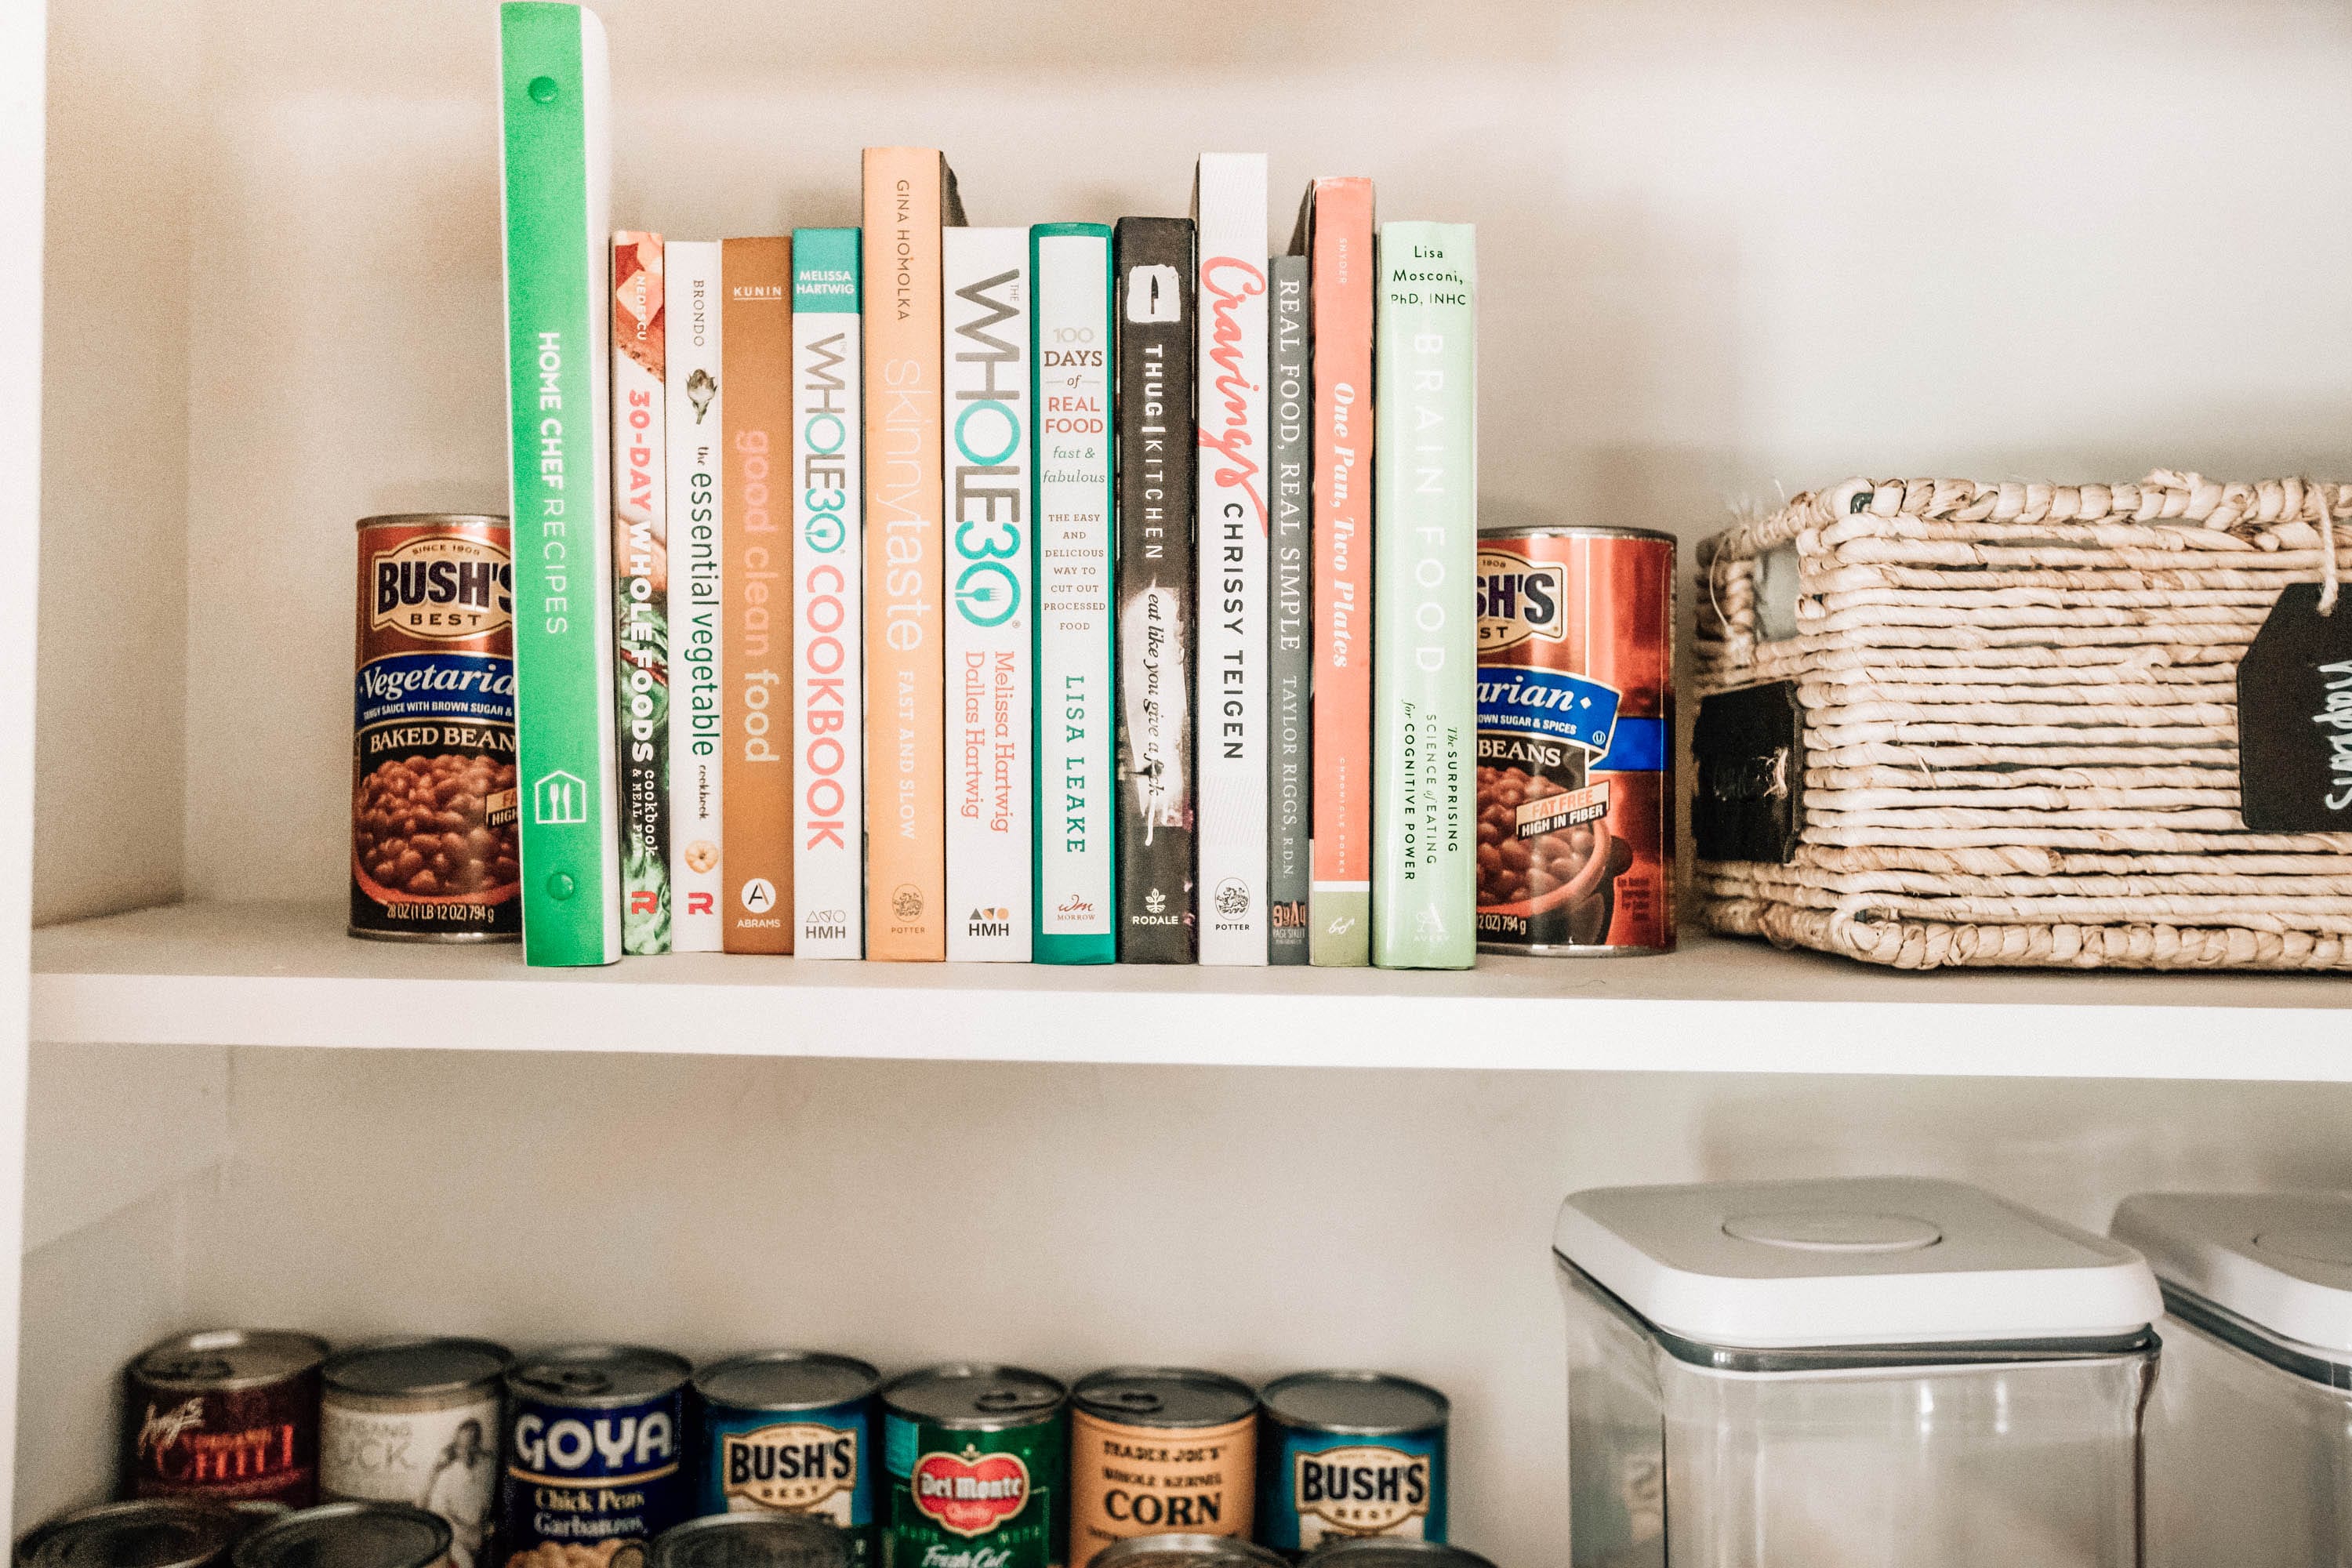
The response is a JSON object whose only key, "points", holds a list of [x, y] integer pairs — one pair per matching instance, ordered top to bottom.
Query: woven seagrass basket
{"points": [[2015, 716]]}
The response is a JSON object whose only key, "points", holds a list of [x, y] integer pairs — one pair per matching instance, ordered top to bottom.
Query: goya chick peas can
{"points": [[433, 734], [1576, 796], [229, 1416], [417, 1421], [789, 1432], [1157, 1449], [1350, 1453], [977, 1456], [593, 1457]]}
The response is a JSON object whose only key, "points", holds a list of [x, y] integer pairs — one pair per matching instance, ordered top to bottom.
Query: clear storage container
{"points": [[1871, 1373], [2250, 1433]]}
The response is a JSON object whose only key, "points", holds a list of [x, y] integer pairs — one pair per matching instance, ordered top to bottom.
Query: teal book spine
{"points": [[554, 92], [1424, 647], [1077, 862]]}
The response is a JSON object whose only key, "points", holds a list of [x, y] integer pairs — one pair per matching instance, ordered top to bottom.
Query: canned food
{"points": [[1576, 800], [434, 853], [224, 1415], [417, 1421], [789, 1432], [1156, 1449], [1350, 1453], [976, 1455], [593, 1464], [150, 1533], [348, 1535], [765, 1539], [1178, 1549], [1392, 1551]]}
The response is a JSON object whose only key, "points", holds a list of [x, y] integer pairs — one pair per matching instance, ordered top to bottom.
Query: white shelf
{"points": [[285, 974]]}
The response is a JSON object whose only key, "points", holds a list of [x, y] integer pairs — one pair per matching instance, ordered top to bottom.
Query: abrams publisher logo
{"points": [[441, 589], [1519, 600], [801, 1467], [1363, 1491], [970, 1494]]}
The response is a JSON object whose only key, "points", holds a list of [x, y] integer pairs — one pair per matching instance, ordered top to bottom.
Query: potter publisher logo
{"points": [[1519, 600], [1232, 898], [907, 902], [1363, 1491], [970, 1494]]}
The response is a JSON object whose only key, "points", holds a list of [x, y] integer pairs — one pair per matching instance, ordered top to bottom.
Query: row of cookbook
{"points": [[922, 591]]}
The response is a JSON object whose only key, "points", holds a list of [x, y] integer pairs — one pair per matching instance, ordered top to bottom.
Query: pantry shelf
{"points": [[285, 974]]}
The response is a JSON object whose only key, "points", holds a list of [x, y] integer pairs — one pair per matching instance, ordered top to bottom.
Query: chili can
{"points": [[1576, 777], [433, 854], [226, 1415], [417, 1421], [789, 1432], [1157, 1451], [1350, 1453], [592, 1455], [976, 1457], [153, 1533], [348, 1535], [762, 1540], [1180, 1549]]}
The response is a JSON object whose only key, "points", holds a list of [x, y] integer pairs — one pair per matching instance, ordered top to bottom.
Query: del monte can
{"points": [[976, 1457]]}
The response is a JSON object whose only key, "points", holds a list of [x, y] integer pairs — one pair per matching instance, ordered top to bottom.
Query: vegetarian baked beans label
{"points": [[1129, 1480]]}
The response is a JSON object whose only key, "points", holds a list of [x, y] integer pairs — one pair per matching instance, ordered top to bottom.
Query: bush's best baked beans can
{"points": [[1575, 799], [434, 853], [227, 1416], [417, 1421], [789, 1432], [1159, 1449], [1350, 1453], [977, 1458], [593, 1459]]}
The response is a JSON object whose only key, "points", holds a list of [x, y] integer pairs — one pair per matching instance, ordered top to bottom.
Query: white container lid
{"points": [[1875, 1261], [2283, 1261]]}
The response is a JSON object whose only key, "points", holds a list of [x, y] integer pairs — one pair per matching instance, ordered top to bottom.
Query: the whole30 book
{"points": [[554, 194], [1229, 213], [755, 466], [641, 590], [1157, 605], [828, 637], [1289, 655], [1425, 660], [990, 668], [1077, 760], [697, 774]]}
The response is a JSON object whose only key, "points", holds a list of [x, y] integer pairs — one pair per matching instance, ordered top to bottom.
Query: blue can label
{"points": [[808, 1461], [586, 1477], [1319, 1486]]}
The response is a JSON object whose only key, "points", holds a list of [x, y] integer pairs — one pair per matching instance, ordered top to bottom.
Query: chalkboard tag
{"points": [[2295, 719], [1751, 748]]}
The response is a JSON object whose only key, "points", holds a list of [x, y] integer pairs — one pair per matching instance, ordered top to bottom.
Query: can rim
{"points": [[413, 519], [1576, 531], [227, 1339], [786, 1357], [669, 1361], [341, 1362], [893, 1399], [1103, 1410], [1352, 1429], [97, 1516], [260, 1545], [1231, 1548], [1339, 1549], [658, 1552]]}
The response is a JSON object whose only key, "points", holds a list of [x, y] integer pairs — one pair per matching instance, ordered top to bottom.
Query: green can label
{"points": [[963, 1499]]}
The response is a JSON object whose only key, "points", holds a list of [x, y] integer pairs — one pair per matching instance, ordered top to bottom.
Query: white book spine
{"points": [[1229, 207], [990, 608], [828, 638], [1075, 856], [696, 876]]}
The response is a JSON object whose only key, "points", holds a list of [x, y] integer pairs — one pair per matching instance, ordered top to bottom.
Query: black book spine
{"points": [[1290, 654], [1158, 914]]}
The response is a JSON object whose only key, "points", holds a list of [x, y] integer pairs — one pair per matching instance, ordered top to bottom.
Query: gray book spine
{"points": [[1289, 651]]}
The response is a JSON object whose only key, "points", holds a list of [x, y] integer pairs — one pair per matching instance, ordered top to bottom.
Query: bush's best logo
{"points": [[441, 589], [1519, 600], [802, 1468], [1362, 1491], [970, 1494]]}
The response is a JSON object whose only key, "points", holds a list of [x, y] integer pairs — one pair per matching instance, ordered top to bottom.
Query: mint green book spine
{"points": [[555, 91], [1424, 647], [1076, 853]]}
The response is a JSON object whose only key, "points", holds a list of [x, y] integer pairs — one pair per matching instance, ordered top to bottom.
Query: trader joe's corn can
{"points": [[1155, 1449], [977, 1456]]}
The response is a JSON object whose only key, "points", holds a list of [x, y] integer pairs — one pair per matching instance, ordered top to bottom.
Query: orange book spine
{"points": [[908, 195], [756, 626]]}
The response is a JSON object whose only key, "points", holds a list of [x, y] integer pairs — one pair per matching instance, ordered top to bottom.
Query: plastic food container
{"points": [[1813, 1375], [2250, 1433]]}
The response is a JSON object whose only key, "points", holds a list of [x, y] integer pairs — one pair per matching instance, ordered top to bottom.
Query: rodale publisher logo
{"points": [[441, 589], [1519, 600], [1364, 1491], [970, 1494]]}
